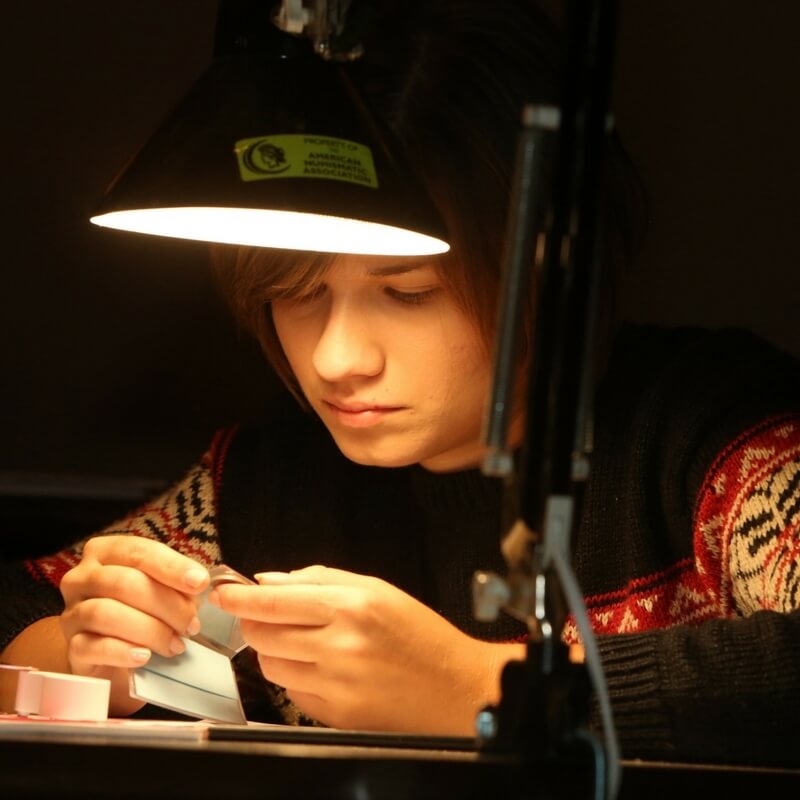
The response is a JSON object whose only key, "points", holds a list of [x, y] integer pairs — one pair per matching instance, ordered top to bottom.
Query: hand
{"points": [[128, 597], [356, 652]]}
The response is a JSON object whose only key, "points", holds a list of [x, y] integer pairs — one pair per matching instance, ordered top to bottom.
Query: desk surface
{"points": [[97, 766]]}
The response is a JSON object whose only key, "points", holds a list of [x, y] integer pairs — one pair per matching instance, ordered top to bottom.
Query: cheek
{"points": [[292, 335], [469, 358], [464, 373]]}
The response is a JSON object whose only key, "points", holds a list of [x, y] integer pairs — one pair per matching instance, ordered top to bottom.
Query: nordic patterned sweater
{"points": [[688, 550]]}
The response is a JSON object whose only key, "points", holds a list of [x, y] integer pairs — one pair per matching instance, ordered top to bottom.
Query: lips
{"points": [[358, 408], [359, 415]]}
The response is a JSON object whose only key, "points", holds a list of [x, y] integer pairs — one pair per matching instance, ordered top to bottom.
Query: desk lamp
{"points": [[273, 147]]}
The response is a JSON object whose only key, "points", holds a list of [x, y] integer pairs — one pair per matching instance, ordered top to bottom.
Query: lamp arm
{"points": [[545, 700]]}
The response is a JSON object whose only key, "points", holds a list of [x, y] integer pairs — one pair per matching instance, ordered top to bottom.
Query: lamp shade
{"points": [[275, 148]]}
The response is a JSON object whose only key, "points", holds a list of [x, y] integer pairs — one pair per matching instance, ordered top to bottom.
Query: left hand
{"points": [[356, 652]]}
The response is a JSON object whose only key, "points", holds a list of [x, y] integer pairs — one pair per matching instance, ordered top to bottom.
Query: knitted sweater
{"points": [[688, 549]]}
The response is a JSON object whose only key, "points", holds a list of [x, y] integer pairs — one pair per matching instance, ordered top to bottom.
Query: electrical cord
{"points": [[575, 602]]}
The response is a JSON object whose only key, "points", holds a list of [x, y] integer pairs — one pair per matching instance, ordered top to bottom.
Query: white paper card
{"points": [[218, 629], [200, 683]]}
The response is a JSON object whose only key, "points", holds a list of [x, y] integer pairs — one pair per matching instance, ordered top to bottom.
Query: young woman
{"points": [[362, 509]]}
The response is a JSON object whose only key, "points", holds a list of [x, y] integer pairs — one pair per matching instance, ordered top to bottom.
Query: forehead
{"points": [[378, 266]]}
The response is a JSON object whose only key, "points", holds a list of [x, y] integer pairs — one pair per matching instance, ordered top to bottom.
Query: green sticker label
{"points": [[305, 156]]}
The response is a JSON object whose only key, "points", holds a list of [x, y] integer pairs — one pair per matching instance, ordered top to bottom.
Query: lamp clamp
{"points": [[322, 21]]}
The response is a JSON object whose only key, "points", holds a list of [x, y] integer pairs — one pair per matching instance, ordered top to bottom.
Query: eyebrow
{"points": [[394, 269]]}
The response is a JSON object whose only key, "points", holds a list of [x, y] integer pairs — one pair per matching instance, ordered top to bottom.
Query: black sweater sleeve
{"points": [[26, 599], [727, 689]]}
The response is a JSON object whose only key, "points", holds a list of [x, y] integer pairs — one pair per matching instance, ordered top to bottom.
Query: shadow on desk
{"points": [[94, 766]]}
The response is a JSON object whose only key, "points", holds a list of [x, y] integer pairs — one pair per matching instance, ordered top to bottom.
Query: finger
{"points": [[154, 558], [316, 574], [135, 589], [286, 605], [110, 618], [294, 642], [87, 650], [294, 676]]}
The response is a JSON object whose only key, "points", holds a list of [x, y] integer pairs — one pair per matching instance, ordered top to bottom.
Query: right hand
{"points": [[128, 598]]}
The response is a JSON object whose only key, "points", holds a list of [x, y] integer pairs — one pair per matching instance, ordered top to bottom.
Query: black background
{"points": [[118, 360]]}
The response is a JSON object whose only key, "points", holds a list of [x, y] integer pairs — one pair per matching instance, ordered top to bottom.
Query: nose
{"points": [[348, 346]]}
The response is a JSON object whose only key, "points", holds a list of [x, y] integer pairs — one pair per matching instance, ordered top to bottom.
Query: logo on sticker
{"points": [[305, 156], [265, 158]]}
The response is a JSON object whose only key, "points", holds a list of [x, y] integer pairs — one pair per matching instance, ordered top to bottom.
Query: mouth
{"points": [[360, 415]]}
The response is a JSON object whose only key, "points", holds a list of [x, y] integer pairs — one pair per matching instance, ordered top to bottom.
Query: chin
{"points": [[377, 456]]}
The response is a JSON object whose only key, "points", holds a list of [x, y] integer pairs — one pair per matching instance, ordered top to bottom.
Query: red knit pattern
{"points": [[214, 459], [745, 466], [183, 518], [53, 568], [698, 589]]}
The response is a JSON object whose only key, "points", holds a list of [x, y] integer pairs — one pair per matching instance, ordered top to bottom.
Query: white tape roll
{"points": [[29, 692], [60, 696]]}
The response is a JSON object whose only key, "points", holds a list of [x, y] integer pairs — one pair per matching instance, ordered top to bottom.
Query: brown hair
{"points": [[449, 79]]}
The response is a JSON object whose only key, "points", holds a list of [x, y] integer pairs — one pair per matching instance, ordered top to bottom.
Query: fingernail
{"points": [[195, 577], [272, 577], [193, 628], [176, 646], [140, 654]]}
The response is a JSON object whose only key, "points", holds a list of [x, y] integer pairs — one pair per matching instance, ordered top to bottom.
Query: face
{"points": [[395, 370]]}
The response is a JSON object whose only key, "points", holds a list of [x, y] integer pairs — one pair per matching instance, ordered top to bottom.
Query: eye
{"points": [[302, 295], [410, 298]]}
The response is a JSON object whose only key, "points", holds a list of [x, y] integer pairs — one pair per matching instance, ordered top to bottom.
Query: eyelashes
{"points": [[398, 296], [410, 298]]}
